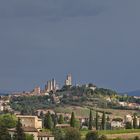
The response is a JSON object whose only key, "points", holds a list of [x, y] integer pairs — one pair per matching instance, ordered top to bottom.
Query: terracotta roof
{"points": [[26, 116], [80, 117], [61, 125], [25, 129], [30, 129], [44, 134]]}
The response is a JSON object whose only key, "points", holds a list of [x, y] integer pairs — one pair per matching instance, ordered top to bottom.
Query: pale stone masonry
{"points": [[30, 121], [32, 125]]}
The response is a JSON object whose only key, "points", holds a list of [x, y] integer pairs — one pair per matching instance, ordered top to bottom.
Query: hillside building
{"points": [[68, 81], [37, 90], [30, 121], [32, 125]]}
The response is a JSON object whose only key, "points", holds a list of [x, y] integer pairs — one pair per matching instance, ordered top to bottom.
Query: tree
{"points": [[41, 114], [97, 118], [55, 119], [61, 119], [108, 119], [8, 120], [72, 120], [90, 121], [103, 121], [135, 122], [48, 123], [77, 123], [128, 125], [139, 126], [58, 134], [72, 134], [4, 135], [19, 135], [93, 135], [29, 137], [103, 137], [136, 138]]}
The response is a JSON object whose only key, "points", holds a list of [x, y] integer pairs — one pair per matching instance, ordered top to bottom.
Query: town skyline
{"points": [[54, 84]]}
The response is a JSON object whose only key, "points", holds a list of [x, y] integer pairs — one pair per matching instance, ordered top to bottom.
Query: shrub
{"points": [[72, 134], [92, 135], [103, 137]]}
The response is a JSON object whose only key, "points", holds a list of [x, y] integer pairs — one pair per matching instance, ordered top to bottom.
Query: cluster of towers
{"points": [[51, 85]]}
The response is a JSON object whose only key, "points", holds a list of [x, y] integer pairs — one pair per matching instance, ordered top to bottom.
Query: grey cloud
{"points": [[50, 9], [95, 40]]}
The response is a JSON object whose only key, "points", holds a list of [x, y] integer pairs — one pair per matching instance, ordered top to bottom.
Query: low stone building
{"points": [[30, 121], [117, 123], [32, 125], [34, 132]]}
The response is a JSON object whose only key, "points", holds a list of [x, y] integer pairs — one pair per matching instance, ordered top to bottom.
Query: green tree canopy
{"points": [[61, 119], [8, 120], [72, 120], [90, 121], [96, 121], [103, 121], [135, 121], [48, 123], [128, 125], [59, 134], [72, 134], [4, 135], [19, 135], [92, 135], [29, 137], [103, 137]]}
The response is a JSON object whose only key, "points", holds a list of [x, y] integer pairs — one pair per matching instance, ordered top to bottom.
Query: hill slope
{"points": [[134, 93]]}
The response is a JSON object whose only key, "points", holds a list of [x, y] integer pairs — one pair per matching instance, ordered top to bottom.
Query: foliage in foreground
{"points": [[8, 120]]}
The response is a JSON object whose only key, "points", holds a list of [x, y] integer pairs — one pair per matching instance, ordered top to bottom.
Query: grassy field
{"points": [[79, 111], [84, 111], [119, 112], [119, 131], [111, 134], [128, 134]]}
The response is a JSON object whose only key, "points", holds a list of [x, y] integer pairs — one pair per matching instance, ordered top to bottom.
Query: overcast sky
{"points": [[96, 40]]}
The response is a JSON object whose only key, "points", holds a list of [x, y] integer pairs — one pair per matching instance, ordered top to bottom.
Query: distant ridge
{"points": [[4, 92], [134, 93]]}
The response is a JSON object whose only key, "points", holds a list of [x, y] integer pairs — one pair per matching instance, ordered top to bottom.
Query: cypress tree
{"points": [[41, 114], [55, 119], [61, 119], [97, 119], [72, 120], [90, 121], [103, 121], [135, 122], [48, 123], [4, 135], [19, 135]]}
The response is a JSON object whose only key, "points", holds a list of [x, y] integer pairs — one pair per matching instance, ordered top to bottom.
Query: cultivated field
{"points": [[84, 111], [112, 134]]}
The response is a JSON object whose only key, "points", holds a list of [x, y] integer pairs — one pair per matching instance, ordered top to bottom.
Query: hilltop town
{"points": [[43, 112]]}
